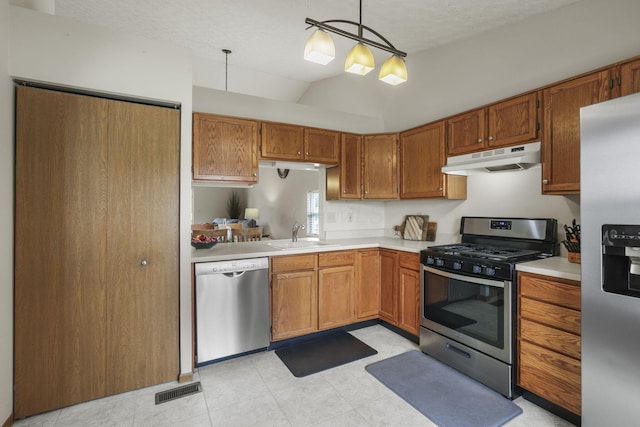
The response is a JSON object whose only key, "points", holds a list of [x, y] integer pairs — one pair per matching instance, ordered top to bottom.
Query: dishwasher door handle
{"points": [[233, 274]]}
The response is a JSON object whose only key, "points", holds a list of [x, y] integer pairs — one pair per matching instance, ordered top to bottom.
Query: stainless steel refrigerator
{"points": [[610, 216]]}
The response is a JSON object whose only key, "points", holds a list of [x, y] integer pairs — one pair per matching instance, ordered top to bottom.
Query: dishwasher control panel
{"points": [[237, 266]]}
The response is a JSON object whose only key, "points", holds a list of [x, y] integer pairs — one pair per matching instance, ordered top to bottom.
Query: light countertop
{"points": [[267, 248], [555, 267]]}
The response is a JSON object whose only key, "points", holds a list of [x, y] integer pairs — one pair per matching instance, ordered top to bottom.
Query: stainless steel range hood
{"points": [[499, 159]]}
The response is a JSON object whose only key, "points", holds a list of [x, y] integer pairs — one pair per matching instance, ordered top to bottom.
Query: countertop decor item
{"points": [[417, 227], [202, 241], [572, 243]]}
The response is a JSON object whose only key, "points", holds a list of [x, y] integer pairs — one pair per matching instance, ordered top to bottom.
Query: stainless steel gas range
{"points": [[468, 295]]}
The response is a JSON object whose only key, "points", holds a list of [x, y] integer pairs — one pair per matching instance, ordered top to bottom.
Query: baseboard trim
{"points": [[185, 378], [9, 421]]}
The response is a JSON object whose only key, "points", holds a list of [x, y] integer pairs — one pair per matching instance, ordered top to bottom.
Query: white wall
{"points": [[64, 52], [492, 66], [206, 100], [513, 194], [6, 221]]}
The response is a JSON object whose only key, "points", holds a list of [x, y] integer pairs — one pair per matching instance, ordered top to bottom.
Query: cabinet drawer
{"points": [[332, 259], [410, 260], [293, 263], [562, 292], [558, 317], [551, 338], [550, 375]]}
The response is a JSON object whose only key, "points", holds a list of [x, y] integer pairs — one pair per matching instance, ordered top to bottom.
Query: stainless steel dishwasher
{"points": [[232, 308]]}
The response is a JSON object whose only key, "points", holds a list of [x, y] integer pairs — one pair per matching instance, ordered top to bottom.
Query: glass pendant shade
{"points": [[320, 48], [359, 60], [393, 71]]}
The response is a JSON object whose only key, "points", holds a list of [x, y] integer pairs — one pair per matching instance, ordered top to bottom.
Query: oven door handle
{"points": [[473, 279]]}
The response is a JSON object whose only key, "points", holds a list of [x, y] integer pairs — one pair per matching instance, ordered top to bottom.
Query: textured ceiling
{"points": [[269, 35]]}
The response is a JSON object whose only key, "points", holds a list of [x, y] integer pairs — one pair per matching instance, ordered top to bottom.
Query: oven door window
{"points": [[469, 308]]}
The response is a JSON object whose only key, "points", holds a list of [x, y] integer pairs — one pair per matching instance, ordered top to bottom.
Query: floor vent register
{"points": [[178, 392]]}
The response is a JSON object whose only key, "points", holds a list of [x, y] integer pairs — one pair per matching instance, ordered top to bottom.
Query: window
{"points": [[313, 213]]}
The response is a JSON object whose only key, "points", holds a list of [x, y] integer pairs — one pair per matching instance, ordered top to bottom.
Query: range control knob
{"points": [[430, 260], [439, 262], [457, 265], [477, 269], [490, 271]]}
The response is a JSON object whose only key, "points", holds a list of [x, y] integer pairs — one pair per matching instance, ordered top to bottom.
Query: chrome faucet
{"points": [[294, 231]]}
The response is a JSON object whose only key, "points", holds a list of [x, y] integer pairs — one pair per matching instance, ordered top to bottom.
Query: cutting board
{"points": [[419, 228]]}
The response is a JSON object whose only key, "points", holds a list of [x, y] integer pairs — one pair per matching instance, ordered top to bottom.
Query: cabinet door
{"points": [[630, 77], [514, 121], [466, 133], [561, 141], [282, 142], [321, 146], [224, 149], [422, 156], [381, 166], [351, 167], [367, 284], [389, 286], [335, 296], [409, 300], [294, 304]]}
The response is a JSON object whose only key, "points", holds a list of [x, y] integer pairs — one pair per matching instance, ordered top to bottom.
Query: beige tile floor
{"points": [[258, 390]]}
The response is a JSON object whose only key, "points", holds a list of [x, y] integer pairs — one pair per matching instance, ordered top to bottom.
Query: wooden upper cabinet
{"points": [[630, 77], [514, 121], [509, 122], [466, 132], [561, 139], [282, 142], [290, 142], [321, 146], [224, 149], [422, 156], [380, 166], [351, 167]]}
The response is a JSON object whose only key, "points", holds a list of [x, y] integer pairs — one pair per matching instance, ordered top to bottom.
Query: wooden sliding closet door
{"points": [[96, 195], [60, 250], [143, 292]]}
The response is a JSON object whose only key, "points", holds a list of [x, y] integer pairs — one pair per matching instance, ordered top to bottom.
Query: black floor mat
{"points": [[319, 354]]}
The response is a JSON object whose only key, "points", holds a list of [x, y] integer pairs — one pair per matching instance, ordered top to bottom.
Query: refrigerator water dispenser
{"points": [[621, 259]]}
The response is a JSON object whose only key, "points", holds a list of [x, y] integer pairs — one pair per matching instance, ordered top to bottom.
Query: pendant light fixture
{"points": [[320, 49]]}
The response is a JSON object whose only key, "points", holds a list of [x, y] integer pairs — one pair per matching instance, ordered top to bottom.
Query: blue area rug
{"points": [[442, 394]]}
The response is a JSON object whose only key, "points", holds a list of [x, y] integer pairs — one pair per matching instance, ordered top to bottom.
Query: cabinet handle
{"points": [[490, 138], [479, 140], [298, 153], [306, 153], [255, 174], [545, 181], [440, 189], [143, 263]]}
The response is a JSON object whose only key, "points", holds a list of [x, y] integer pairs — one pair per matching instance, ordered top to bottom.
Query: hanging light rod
{"points": [[323, 25], [320, 49]]}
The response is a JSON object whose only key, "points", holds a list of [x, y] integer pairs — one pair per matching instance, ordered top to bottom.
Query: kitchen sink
{"points": [[288, 244]]}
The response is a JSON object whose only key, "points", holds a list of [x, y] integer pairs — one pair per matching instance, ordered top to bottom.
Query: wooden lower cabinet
{"points": [[336, 277], [367, 284], [389, 286], [400, 289], [326, 290], [409, 292], [294, 296], [549, 339]]}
